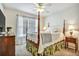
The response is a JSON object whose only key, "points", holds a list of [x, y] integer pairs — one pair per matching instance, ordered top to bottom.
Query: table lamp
{"points": [[71, 29]]}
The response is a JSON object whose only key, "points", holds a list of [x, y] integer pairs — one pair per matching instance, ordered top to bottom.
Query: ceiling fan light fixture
{"points": [[40, 7]]}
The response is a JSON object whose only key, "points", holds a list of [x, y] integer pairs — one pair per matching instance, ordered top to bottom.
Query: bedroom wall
{"points": [[70, 15], [11, 18]]}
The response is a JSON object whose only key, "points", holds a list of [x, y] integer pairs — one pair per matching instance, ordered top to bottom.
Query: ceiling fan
{"points": [[44, 6]]}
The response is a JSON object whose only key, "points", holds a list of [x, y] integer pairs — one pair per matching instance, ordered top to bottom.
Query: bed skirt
{"points": [[48, 51]]}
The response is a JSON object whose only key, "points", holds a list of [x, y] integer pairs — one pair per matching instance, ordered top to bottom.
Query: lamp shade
{"points": [[44, 28], [71, 28]]}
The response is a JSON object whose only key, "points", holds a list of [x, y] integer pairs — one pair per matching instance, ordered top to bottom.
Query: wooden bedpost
{"points": [[38, 28], [64, 28]]}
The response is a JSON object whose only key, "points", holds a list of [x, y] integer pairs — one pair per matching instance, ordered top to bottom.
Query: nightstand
{"points": [[71, 40]]}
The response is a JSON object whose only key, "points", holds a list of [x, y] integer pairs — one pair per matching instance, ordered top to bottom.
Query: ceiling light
{"points": [[40, 7]]}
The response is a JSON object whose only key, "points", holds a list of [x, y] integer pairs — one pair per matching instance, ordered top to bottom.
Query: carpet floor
{"points": [[66, 52]]}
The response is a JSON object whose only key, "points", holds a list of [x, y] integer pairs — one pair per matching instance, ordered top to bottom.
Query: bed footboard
{"points": [[32, 47], [50, 50]]}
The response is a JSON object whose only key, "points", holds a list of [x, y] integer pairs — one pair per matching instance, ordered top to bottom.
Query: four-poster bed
{"points": [[48, 48]]}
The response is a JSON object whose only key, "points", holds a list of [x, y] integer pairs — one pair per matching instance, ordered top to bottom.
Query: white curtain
{"points": [[20, 26], [26, 26], [20, 35]]}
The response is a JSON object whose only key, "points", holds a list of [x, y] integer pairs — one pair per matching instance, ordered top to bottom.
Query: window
{"points": [[26, 27]]}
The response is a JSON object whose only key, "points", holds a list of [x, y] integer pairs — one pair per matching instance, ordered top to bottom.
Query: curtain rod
{"points": [[27, 16]]}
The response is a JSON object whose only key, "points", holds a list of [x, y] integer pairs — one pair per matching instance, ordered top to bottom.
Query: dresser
{"points": [[73, 41], [7, 45]]}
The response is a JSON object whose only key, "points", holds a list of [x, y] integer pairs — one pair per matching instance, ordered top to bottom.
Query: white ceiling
{"points": [[31, 8]]}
